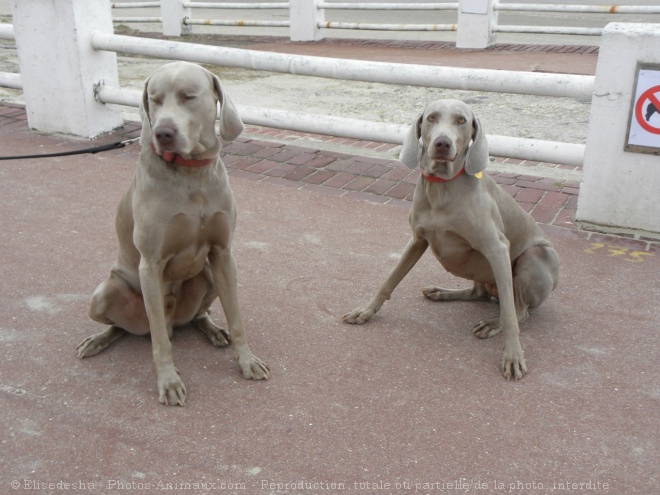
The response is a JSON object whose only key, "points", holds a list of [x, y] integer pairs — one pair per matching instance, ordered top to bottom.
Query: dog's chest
{"points": [[189, 235], [452, 250]]}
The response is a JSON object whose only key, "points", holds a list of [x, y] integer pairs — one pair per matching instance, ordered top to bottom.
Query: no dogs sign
{"points": [[644, 128]]}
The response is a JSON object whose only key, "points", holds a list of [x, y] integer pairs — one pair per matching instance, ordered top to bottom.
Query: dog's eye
{"points": [[189, 97], [155, 101], [431, 118], [462, 120]]}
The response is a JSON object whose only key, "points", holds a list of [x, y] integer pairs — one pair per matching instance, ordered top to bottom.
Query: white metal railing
{"points": [[388, 6], [578, 9], [403, 27], [417, 75], [531, 83]]}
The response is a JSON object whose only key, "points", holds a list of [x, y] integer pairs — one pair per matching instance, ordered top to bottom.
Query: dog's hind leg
{"points": [[535, 275], [476, 293], [218, 336], [100, 341]]}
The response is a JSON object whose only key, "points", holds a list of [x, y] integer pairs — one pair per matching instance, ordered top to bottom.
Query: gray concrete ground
{"points": [[409, 403]]}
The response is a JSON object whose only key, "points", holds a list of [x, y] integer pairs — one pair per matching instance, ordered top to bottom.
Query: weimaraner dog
{"points": [[175, 225], [475, 229]]}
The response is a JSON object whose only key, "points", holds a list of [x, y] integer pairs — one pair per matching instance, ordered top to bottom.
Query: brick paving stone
{"points": [[233, 148], [249, 149], [266, 152], [285, 155], [302, 158], [374, 160], [320, 161], [245, 162], [340, 165], [262, 166], [358, 168], [281, 170], [377, 171], [299, 173], [397, 173], [319, 177], [412, 178], [529, 178], [339, 180], [504, 180], [359, 183], [538, 185], [381, 186], [401, 190], [511, 190], [570, 190], [527, 195], [554, 199], [572, 202], [526, 206], [544, 214], [565, 219]]}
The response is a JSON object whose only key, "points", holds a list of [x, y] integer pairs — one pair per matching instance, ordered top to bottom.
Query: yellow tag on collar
{"points": [[479, 175]]}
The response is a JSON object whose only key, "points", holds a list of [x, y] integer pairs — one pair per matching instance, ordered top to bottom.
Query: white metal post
{"points": [[173, 12], [305, 17], [476, 22], [59, 68], [621, 189]]}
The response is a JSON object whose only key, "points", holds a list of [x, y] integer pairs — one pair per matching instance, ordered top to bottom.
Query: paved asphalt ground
{"points": [[410, 403]]}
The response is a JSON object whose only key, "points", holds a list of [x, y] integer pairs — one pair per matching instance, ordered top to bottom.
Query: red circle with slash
{"points": [[649, 94]]}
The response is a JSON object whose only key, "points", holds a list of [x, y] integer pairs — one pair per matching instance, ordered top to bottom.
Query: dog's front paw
{"points": [[358, 316], [513, 362], [252, 367], [171, 390]]}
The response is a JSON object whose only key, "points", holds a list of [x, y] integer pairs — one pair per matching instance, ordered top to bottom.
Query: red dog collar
{"points": [[171, 157], [433, 178]]}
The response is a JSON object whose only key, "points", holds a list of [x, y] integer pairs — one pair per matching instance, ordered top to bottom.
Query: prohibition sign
{"points": [[649, 94]]}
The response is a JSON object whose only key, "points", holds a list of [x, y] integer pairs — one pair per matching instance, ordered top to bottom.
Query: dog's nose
{"points": [[165, 134], [442, 144]]}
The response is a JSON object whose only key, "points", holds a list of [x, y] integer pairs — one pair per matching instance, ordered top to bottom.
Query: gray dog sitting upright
{"points": [[175, 226], [475, 229]]}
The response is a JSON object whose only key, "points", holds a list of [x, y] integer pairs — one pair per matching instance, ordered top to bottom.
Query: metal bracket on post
{"points": [[174, 15], [305, 17], [476, 22]]}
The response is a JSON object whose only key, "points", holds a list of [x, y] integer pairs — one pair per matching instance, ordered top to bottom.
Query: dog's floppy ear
{"points": [[231, 124], [145, 135], [411, 148], [476, 159]]}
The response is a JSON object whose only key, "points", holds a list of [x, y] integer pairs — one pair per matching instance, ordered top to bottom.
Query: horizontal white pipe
{"points": [[136, 5], [209, 5], [388, 6], [587, 9], [137, 19], [219, 22], [387, 27], [549, 30], [7, 31], [11, 80], [500, 81], [118, 96], [504, 146], [536, 150]]}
